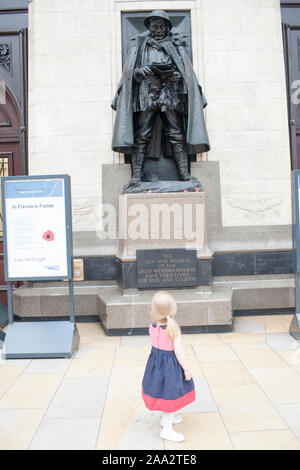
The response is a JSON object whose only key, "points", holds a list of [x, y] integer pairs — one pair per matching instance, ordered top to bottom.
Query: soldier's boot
{"points": [[181, 160], [137, 163]]}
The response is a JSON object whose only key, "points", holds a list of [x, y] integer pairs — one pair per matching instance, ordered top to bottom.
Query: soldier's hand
{"points": [[145, 71], [176, 77]]}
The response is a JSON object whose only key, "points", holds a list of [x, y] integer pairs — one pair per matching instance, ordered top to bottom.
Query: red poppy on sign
{"points": [[48, 236]]}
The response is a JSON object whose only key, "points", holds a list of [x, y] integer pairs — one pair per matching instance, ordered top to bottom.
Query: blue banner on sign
{"points": [[33, 188]]}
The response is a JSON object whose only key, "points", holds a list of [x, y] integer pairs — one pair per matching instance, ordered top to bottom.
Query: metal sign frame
{"points": [[295, 324], [43, 338]]}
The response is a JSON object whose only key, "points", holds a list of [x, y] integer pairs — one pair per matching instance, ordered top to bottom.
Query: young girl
{"points": [[167, 383]]}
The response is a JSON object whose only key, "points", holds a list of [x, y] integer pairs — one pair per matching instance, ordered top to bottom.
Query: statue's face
{"points": [[158, 28]]}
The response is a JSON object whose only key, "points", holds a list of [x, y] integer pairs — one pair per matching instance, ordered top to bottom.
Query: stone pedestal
{"points": [[162, 221], [163, 244]]}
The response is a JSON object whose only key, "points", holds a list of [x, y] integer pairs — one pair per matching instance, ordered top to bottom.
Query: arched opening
{"points": [[10, 158]]}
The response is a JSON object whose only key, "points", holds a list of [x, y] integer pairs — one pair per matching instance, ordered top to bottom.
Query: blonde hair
{"points": [[164, 309]]}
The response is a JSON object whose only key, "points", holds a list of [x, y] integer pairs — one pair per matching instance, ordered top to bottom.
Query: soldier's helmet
{"points": [[157, 14]]}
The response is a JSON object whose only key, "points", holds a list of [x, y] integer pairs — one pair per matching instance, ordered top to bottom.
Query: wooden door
{"points": [[290, 14], [293, 86], [13, 117], [298, 147], [10, 157]]}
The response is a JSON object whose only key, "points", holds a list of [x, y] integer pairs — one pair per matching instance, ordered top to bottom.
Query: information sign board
{"points": [[36, 226], [37, 239]]}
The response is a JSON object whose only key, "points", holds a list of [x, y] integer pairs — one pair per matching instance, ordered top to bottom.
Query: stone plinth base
{"points": [[162, 220], [151, 223], [107, 301], [199, 310]]}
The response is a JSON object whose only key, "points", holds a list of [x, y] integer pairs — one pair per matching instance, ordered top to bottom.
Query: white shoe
{"points": [[175, 420], [171, 435]]}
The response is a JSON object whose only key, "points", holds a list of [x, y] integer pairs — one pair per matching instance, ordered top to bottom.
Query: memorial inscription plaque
{"points": [[166, 268]]}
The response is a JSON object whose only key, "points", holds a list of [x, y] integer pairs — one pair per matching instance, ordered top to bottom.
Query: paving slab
{"points": [[273, 323], [277, 323], [243, 325], [90, 329], [241, 338], [201, 339], [100, 341], [131, 341], [281, 341], [249, 346], [188, 349], [215, 352], [132, 355], [292, 357], [261, 358], [14, 362], [194, 365], [48, 366], [96, 366], [226, 373], [8, 376], [126, 381], [281, 385], [31, 391], [247, 393], [79, 398], [204, 402], [246, 408], [291, 414], [117, 415], [17, 428], [204, 431], [142, 432], [66, 434], [265, 440]]}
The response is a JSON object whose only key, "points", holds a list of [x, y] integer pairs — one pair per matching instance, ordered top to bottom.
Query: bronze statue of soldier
{"points": [[158, 80]]}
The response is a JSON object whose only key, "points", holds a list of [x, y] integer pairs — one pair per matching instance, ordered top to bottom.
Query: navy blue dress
{"points": [[164, 387]]}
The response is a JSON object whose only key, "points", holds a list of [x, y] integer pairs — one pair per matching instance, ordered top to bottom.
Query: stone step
{"points": [[260, 292], [46, 299], [202, 306], [198, 309]]}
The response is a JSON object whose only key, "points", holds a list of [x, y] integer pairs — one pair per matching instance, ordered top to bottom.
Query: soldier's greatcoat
{"points": [[123, 134]]}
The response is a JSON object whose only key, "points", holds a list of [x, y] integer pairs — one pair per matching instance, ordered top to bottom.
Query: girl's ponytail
{"points": [[164, 309], [172, 328]]}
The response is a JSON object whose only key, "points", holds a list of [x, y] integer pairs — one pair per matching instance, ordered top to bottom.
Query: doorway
{"points": [[290, 15], [13, 101]]}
